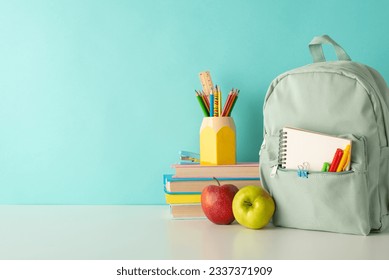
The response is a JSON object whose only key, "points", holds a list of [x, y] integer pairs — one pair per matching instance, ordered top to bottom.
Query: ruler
{"points": [[206, 82]]}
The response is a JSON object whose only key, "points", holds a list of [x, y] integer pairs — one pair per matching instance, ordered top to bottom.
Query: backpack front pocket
{"points": [[328, 201]]}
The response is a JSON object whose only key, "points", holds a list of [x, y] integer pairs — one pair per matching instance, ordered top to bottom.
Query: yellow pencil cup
{"points": [[217, 141]]}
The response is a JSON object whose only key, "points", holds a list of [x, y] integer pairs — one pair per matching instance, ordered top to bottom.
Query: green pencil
{"points": [[202, 105]]}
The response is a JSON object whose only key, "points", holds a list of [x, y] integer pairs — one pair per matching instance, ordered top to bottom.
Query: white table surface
{"points": [[148, 232]]}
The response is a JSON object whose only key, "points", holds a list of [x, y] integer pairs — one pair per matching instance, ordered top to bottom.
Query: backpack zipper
{"points": [[361, 78], [378, 97], [273, 172]]}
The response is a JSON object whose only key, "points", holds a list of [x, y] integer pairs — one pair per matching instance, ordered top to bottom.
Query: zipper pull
{"points": [[263, 146], [273, 172]]}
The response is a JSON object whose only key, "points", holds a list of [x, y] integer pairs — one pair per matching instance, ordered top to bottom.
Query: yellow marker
{"points": [[344, 160], [347, 162]]}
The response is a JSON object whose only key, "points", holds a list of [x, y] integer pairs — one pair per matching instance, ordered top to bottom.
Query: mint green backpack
{"points": [[339, 98]]}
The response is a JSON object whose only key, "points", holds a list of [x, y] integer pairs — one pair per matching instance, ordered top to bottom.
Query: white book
{"points": [[300, 147]]}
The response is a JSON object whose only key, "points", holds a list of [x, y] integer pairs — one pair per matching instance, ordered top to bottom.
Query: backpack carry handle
{"points": [[315, 47]]}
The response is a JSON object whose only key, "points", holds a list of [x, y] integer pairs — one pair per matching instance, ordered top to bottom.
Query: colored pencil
{"points": [[235, 97], [206, 100], [215, 102], [220, 102], [227, 104], [202, 105], [211, 105]]}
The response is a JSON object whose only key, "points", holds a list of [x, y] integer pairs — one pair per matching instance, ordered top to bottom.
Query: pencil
{"points": [[206, 100], [220, 102], [215, 103], [233, 103], [211, 104], [227, 104], [202, 105], [228, 108]]}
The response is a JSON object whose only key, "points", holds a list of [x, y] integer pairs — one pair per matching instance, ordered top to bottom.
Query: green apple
{"points": [[253, 207]]}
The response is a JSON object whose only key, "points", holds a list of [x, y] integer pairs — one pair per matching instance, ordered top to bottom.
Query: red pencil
{"points": [[235, 97], [227, 104], [335, 161]]}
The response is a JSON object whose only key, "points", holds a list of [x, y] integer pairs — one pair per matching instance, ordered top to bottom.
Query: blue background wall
{"points": [[97, 97]]}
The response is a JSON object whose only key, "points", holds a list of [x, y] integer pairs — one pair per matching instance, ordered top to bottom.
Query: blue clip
{"points": [[302, 171]]}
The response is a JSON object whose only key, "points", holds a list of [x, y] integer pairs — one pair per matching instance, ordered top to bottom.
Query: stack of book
{"points": [[183, 188]]}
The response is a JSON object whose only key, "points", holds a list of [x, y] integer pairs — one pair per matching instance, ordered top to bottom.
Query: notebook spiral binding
{"points": [[282, 149]]}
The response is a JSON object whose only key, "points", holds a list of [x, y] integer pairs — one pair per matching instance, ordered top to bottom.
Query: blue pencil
{"points": [[211, 104]]}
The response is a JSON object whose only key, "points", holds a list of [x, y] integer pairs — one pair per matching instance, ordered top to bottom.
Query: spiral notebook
{"points": [[298, 146]]}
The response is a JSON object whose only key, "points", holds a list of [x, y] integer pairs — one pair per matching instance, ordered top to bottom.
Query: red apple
{"points": [[216, 202]]}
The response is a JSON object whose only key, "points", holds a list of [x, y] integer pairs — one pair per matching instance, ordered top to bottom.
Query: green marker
{"points": [[325, 167]]}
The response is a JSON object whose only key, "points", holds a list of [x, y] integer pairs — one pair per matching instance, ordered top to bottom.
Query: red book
{"points": [[335, 161]]}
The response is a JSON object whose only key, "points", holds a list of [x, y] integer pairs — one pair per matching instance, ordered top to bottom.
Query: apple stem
{"points": [[217, 181], [248, 203]]}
